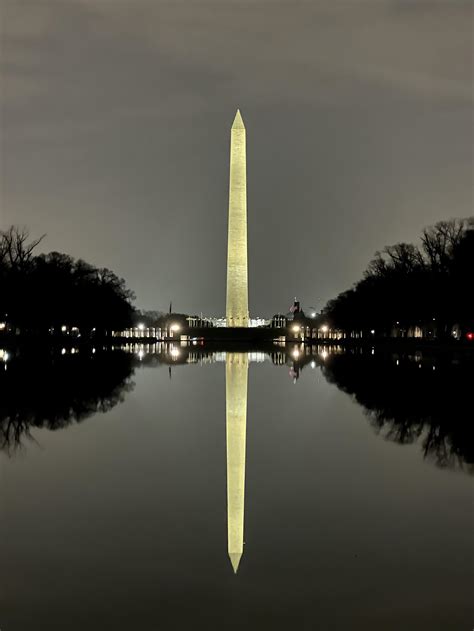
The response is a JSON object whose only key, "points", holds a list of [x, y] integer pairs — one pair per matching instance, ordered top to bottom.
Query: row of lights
{"points": [[174, 327], [73, 351], [174, 352]]}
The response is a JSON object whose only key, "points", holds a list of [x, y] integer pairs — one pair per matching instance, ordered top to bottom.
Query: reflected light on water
{"points": [[4, 357], [236, 427]]}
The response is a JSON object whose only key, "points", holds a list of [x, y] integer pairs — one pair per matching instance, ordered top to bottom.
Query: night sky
{"points": [[116, 123]]}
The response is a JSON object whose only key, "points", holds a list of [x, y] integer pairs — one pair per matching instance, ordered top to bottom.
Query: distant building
{"points": [[295, 308], [279, 321]]}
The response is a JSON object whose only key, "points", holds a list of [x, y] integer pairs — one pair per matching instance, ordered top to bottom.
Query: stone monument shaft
{"points": [[237, 303]]}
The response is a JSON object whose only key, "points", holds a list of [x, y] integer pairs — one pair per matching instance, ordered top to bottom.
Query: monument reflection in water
{"points": [[236, 372], [406, 397]]}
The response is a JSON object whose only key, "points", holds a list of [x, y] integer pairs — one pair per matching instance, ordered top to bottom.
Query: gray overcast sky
{"points": [[115, 136]]}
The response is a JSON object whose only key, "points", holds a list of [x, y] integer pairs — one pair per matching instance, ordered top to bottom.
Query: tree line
{"points": [[406, 286], [42, 293]]}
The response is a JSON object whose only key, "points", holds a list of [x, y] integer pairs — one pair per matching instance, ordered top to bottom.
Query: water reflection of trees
{"points": [[53, 391], [407, 397], [411, 398]]}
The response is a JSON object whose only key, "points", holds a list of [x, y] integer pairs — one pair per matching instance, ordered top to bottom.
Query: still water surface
{"points": [[122, 495]]}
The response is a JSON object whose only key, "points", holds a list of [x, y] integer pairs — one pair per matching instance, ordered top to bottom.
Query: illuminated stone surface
{"points": [[237, 307], [236, 426]]}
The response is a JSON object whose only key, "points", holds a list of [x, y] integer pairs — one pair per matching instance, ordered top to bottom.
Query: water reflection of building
{"points": [[278, 358], [236, 426]]}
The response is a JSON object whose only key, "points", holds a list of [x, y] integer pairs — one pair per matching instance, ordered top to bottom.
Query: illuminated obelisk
{"points": [[237, 303], [236, 372]]}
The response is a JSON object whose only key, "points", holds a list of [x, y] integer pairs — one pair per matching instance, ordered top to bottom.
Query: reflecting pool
{"points": [[173, 487]]}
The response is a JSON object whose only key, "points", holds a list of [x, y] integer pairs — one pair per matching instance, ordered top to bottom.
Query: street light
{"points": [[174, 328], [297, 331]]}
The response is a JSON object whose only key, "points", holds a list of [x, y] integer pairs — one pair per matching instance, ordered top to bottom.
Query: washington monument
{"points": [[237, 303], [237, 315]]}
